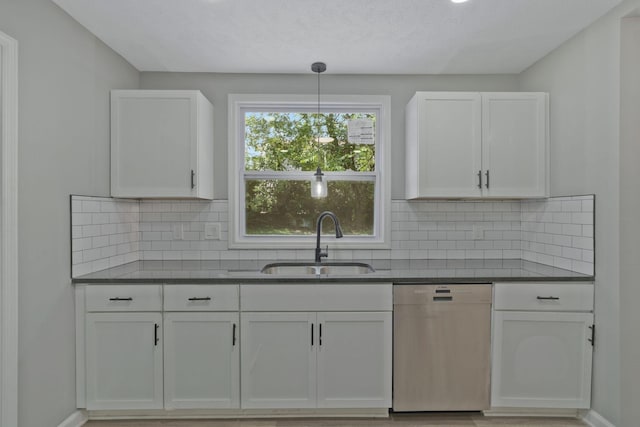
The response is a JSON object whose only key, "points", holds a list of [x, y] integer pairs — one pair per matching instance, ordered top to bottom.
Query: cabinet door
{"points": [[161, 144], [514, 144], [443, 146], [541, 359], [124, 360], [201, 360], [354, 360], [278, 362]]}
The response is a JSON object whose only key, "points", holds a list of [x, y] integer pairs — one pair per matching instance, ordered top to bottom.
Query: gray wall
{"points": [[65, 75], [583, 78], [216, 87], [629, 215]]}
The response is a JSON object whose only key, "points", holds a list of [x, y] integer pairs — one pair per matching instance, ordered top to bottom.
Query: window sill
{"points": [[262, 243]]}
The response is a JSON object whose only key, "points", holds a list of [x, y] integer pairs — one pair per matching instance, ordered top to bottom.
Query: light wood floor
{"points": [[396, 420]]}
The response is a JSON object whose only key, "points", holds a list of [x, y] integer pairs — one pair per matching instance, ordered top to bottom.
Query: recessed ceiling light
{"points": [[459, 1]]}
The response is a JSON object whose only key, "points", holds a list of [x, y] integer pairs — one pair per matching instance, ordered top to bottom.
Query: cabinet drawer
{"points": [[543, 296], [201, 297], [312, 297], [123, 298]]}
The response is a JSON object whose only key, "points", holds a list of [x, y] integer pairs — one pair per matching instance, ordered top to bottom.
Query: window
{"points": [[274, 154]]}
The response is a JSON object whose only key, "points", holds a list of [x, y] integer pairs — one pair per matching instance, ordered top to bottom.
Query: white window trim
{"points": [[237, 103]]}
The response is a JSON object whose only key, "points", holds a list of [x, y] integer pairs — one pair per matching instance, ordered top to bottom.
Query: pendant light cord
{"points": [[318, 67], [318, 122]]}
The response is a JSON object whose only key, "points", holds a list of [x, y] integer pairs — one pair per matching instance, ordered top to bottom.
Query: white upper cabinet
{"points": [[161, 144], [471, 144], [514, 144], [444, 145]]}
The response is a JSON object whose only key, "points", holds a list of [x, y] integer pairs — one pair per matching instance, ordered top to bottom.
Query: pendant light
{"points": [[318, 184]]}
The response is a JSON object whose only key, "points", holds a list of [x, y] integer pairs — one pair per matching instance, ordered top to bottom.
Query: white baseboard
{"points": [[531, 412], [176, 414], [77, 419], [594, 419]]}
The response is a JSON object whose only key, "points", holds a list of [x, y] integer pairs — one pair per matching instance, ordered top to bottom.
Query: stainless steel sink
{"points": [[310, 268]]}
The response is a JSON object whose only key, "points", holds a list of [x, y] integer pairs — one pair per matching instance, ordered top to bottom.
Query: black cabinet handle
{"points": [[487, 175], [193, 179], [480, 179], [443, 298], [548, 298], [121, 299], [200, 299], [312, 335], [320, 335], [156, 339], [233, 339], [592, 340]]}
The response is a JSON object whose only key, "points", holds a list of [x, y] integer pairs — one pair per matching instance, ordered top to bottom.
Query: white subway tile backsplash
{"points": [[572, 206], [582, 218], [572, 229], [555, 231], [567, 235], [582, 242], [432, 244], [446, 244], [572, 253], [588, 256], [582, 267]]}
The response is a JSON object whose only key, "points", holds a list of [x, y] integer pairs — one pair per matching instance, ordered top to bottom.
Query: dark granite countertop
{"points": [[396, 271]]}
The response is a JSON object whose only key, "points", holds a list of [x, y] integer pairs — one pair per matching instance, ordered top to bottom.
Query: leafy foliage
{"points": [[286, 142]]}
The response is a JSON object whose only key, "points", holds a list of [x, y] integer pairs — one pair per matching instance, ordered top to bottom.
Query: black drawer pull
{"points": [[443, 291], [443, 298], [548, 298], [121, 299], [200, 299], [156, 338], [233, 339]]}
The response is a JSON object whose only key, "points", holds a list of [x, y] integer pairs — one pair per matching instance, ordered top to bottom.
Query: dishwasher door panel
{"points": [[442, 354]]}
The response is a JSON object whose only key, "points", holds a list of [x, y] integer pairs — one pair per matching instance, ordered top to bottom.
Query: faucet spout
{"points": [[319, 253]]}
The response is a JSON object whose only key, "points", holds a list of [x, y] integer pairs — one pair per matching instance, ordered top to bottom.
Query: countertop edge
{"points": [[342, 279]]}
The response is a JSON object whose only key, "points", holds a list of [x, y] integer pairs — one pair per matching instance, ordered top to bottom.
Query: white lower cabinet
{"points": [[318, 346], [195, 347], [542, 352], [201, 360], [278, 360], [316, 360], [354, 360], [123, 361]]}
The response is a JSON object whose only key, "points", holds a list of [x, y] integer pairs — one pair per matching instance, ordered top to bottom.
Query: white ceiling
{"points": [[351, 36]]}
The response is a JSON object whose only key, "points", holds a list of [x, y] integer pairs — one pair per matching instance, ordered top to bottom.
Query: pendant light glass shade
{"points": [[318, 185]]}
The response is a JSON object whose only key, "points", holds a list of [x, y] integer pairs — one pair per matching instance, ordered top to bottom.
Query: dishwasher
{"points": [[441, 347]]}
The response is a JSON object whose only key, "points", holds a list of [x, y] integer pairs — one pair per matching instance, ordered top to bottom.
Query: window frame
{"points": [[238, 104]]}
